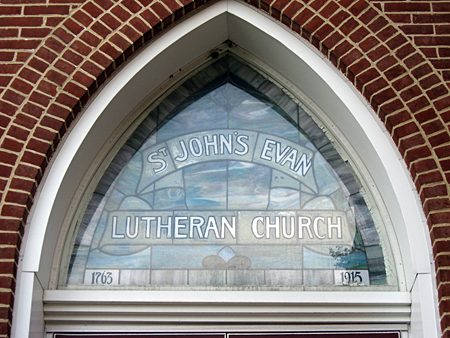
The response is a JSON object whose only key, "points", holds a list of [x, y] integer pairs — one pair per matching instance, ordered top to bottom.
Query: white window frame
{"points": [[412, 309]]}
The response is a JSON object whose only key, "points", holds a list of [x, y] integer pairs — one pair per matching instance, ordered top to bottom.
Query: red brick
{"points": [[172, 4], [318, 4], [132, 5], [358, 7], [407, 7], [441, 7], [92, 9], [293, 9], [333, 9], [10, 10], [46, 10], [121, 13], [82, 18], [431, 18], [21, 21], [53, 21], [110, 21], [313, 24], [378, 24], [139, 25], [73, 26], [101, 29], [417, 29], [442, 29], [9, 32], [35, 32], [131, 33], [387, 33], [359, 34], [64, 35], [90, 39], [333, 40], [432, 40], [396, 41], [120, 42], [19, 44], [54, 45], [81, 47], [405, 51], [429, 52], [46, 54], [7, 56], [352, 56], [101, 59], [414, 60], [386, 63], [441, 63], [64, 66], [91, 68], [56, 77], [83, 79], [4, 80], [429, 81], [401, 83], [21, 86], [47, 88], [74, 89], [436, 92], [410, 93], [384, 96], [13, 97], [41, 99], [66, 100], [443, 103], [418, 104], [7, 108], [33, 110], [58, 111], [427, 115], [399, 118], [25, 120], [52, 123], [407, 129], [18, 133], [44, 134], [439, 139], [11, 144], [443, 151], [417, 153], [8, 158], [33, 158], [424, 165], [5, 171], [26, 171], [24, 185], [435, 191], [16, 197], [434, 204], [11, 211], [440, 218], [440, 232], [8, 266]]}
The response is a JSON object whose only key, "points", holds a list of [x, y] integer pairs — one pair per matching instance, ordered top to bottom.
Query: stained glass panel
{"points": [[227, 183]]}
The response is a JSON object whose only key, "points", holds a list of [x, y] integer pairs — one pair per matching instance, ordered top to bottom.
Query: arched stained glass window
{"points": [[228, 182]]}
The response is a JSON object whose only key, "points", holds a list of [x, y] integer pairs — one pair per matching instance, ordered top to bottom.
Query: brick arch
{"points": [[369, 41]]}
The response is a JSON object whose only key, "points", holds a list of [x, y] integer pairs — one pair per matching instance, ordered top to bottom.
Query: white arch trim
{"points": [[279, 48]]}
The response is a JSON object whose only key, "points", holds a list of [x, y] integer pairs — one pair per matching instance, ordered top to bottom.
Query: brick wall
{"points": [[54, 54]]}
